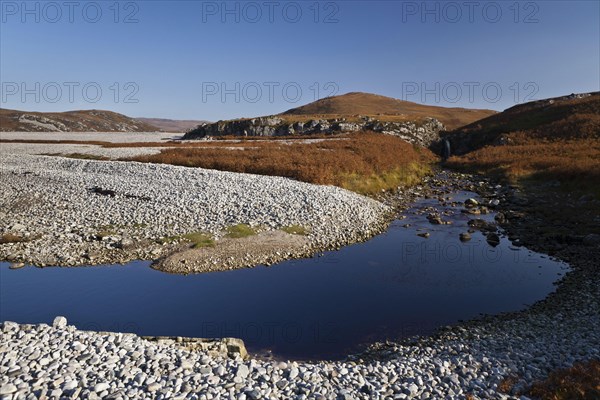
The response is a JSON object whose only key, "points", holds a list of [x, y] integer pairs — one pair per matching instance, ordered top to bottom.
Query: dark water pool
{"points": [[393, 286]]}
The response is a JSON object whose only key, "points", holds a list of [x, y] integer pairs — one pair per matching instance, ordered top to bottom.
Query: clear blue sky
{"points": [[176, 55]]}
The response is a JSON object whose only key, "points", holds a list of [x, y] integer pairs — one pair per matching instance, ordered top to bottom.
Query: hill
{"points": [[386, 109], [353, 112], [576, 116], [70, 121], [172, 125], [555, 140]]}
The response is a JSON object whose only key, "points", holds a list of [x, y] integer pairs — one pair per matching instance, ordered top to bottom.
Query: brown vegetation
{"points": [[384, 109], [564, 118], [556, 139], [230, 141], [364, 162], [572, 162], [12, 238], [582, 381]]}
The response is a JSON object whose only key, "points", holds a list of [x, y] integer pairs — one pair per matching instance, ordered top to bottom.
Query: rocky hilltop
{"points": [[352, 112], [70, 121], [422, 132]]}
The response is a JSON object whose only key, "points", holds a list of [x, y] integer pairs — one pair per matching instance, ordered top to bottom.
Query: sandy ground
{"points": [[263, 248]]}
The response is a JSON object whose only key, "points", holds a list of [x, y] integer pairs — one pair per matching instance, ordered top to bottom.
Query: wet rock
{"points": [[471, 203], [500, 218], [435, 219], [482, 225], [465, 237], [493, 239]]}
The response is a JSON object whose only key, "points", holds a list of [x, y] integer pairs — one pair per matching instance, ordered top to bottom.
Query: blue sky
{"points": [[218, 60]]}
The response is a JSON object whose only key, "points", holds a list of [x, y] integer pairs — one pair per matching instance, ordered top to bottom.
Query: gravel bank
{"points": [[113, 137], [87, 149], [51, 203], [471, 359], [60, 361]]}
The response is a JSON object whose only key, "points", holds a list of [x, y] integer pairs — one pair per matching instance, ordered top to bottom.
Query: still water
{"points": [[395, 285]]}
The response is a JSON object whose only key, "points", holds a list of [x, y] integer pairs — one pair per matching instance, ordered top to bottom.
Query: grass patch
{"points": [[78, 156], [81, 156], [389, 180], [106, 230], [295, 230], [240, 231], [12, 238], [197, 239]]}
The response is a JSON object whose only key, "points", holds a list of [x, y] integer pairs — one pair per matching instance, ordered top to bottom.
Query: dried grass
{"points": [[364, 162], [582, 381]]}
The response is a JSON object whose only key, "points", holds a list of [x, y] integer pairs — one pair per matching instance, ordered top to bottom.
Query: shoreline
{"points": [[60, 211], [473, 357]]}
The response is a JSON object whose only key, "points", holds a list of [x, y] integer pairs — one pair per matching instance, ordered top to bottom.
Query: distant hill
{"points": [[380, 107], [571, 117], [70, 121], [172, 125]]}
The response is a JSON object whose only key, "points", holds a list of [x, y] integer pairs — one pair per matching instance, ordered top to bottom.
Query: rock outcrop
{"points": [[422, 132]]}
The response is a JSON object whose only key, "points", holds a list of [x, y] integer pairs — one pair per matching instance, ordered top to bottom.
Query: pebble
{"points": [[190, 199], [59, 323], [467, 358], [101, 387]]}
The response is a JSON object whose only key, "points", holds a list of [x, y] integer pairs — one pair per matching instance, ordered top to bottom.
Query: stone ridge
{"points": [[421, 133]]}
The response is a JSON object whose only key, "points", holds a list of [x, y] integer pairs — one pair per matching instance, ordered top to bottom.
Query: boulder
{"points": [[471, 203], [59, 322]]}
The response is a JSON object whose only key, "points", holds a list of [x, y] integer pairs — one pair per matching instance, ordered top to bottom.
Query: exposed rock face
{"points": [[422, 133], [230, 347]]}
